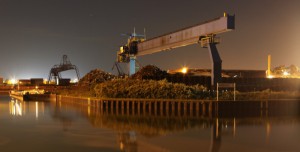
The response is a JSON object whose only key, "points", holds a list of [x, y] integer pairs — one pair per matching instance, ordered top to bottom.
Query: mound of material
{"points": [[149, 71], [94, 77], [147, 89]]}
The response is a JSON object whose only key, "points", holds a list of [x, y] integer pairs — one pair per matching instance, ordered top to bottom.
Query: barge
{"points": [[29, 95]]}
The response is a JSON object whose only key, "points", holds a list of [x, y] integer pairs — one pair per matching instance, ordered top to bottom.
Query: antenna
{"points": [[145, 33], [134, 34]]}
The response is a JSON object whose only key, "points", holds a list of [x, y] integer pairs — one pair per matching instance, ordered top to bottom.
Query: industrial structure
{"points": [[204, 34], [65, 65], [282, 71], [226, 73]]}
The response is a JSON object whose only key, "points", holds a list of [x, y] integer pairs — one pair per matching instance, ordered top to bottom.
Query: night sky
{"points": [[34, 34]]}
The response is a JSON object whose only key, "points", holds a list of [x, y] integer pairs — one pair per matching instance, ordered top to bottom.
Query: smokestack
{"points": [[269, 66]]}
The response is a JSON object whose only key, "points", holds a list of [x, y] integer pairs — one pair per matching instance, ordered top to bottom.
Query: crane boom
{"points": [[204, 33], [186, 36]]}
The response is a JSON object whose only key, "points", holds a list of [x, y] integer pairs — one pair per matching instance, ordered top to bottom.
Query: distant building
{"points": [[225, 73], [245, 73], [1, 81], [37, 81], [24, 82], [64, 82]]}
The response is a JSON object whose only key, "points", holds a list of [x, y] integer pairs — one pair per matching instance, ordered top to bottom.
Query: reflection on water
{"points": [[15, 107], [19, 108], [63, 126], [131, 126], [216, 133], [128, 141]]}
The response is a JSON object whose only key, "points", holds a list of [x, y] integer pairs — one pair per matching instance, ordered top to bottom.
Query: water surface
{"points": [[50, 126]]}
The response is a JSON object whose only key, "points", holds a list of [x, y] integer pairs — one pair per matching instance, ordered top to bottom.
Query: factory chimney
{"points": [[269, 66]]}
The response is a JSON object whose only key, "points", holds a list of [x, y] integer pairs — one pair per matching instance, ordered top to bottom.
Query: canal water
{"points": [[61, 126]]}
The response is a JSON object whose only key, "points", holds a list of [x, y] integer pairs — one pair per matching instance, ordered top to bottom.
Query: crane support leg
{"points": [[132, 65], [216, 70]]}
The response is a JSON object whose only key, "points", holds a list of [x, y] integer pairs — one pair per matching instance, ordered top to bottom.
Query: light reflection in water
{"points": [[15, 108], [21, 108], [36, 109], [134, 125], [129, 126], [125, 127], [127, 141]]}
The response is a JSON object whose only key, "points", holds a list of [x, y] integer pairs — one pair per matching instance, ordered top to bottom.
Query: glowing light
{"points": [[184, 70], [285, 73], [270, 76], [74, 80], [12, 81], [45, 81], [15, 108], [36, 109], [217, 126], [234, 127], [268, 129], [121, 146]]}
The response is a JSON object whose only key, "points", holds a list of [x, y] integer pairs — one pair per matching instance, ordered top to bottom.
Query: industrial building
{"points": [[226, 73], [1, 81], [36, 81], [24, 82]]}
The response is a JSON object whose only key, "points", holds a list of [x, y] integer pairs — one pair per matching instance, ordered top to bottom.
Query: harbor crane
{"points": [[203, 34], [64, 65], [121, 73]]}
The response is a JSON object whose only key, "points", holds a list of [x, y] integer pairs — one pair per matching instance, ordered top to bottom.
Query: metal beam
{"points": [[186, 36], [216, 64], [132, 65]]}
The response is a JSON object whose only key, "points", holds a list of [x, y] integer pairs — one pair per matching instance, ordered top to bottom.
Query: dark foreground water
{"points": [[55, 127]]}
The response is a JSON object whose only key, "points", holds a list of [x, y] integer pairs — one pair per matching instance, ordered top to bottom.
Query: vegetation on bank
{"points": [[149, 71], [100, 84], [131, 88], [147, 89]]}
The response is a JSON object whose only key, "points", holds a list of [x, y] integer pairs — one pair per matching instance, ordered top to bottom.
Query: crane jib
{"points": [[186, 36]]}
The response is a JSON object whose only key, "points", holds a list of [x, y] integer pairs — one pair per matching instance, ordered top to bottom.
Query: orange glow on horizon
{"points": [[184, 70]]}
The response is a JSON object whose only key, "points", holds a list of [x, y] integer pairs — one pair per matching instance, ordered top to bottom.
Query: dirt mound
{"points": [[150, 72], [94, 77]]}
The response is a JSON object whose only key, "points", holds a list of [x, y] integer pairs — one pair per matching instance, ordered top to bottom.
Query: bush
{"points": [[149, 71], [94, 77], [147, 89]]}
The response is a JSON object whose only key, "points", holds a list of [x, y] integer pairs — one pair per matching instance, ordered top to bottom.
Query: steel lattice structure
{"points": [[64, 65]]}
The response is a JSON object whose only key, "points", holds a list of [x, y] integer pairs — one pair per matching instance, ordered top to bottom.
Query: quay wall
{"points": [[6, 92], [40, 97], [188, 108]]}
